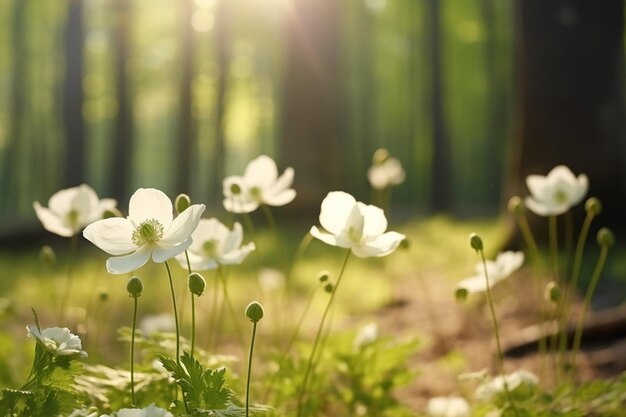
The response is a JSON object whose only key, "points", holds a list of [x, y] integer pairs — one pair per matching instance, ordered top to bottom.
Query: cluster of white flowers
{"points": [[385, 171]]}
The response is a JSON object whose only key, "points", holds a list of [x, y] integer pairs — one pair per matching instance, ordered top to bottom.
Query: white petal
{"points": [[261, 172], [561, 173], [377, 177], [229, 182], [283, 182], [537, 185], [581, 189], [279, 199], [61, 202], [84, 202], [150, 203], [239, 204], [545, 209], [335, 210], [51, 222], [375, 222], [183, 226], [207, 229], [114, 235], [323, 236], [232, 240], [381, 246], [161, 253], [237, 256], [130, 262], [509, 262], [201, 263], [474, 284]]}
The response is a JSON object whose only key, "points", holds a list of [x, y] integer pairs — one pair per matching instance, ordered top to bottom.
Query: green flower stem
{"points": [[247, 219], [271, 220], [531, 243], [73, 245], [554, 261], [169, 274], [570, 290], [587, 300], [231, 309], [213, 313], [193, 324], [497, 333], [290, 342], [132, 355], [250, 366], [309, 366]]}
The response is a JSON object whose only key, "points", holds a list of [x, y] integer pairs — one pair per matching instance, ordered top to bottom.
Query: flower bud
{"points": [[380, 156], [181, 203], [516, 206], [593, 206], [110, 213], [605, 237], [476, 242], [405, 244], [47, 256], [323, 276], [196, 283], [134, 287], [328, 288], [552, 292], [461, 295], [254, 311]]}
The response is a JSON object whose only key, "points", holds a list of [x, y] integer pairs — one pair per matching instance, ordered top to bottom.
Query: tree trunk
{"points": [[74, 97], [570, 97], [186, 127], [310, 136], [122, 141], [440, 180]]}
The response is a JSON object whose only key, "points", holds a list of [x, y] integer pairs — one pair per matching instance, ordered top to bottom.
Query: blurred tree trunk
{"points": [[222, 45], [74, 97], [570, 97], [186, 127], [311, 135], [122, 140], [9, 157], [440, 180]]}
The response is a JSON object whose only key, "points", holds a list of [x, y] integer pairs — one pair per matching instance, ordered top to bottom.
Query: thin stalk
{"points": [[271, 221], [554, 261], [169, 275], [70, 276], [570, 290], [587, 300], [231, 309], [213, 313], [193, 324], [496, 333], [132, 355], [250, 366], [309, 366]]}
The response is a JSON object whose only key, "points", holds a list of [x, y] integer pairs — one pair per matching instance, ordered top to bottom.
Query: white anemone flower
{"points": [[386, 174], [260, 184], [555, 193], [71, 209], [356, 226], [150, 230], [214, 244], [505, 264], [58, 341], [513, 380], [448, 407], [150, 411]]}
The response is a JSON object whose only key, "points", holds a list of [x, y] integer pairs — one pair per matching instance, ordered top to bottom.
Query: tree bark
{"points": [[74, 96], [570, 97], [311, 132]]}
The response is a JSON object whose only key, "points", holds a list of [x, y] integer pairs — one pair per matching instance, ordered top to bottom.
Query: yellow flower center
{"points": [[560, 196], [149, 231]]}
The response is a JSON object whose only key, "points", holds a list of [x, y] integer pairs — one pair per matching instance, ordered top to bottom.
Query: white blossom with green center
{"points": [[386, 174], [260, 184], [555, 193], [71, 209], [356, 226], [149, 231], [214, 244], [504, 265], [58, 341]]}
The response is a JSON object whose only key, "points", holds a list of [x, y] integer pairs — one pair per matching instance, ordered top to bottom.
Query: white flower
{"points": [[386, 173], [260, 184], [555, 193], [72, 209], [354, 225], [149, 231], [214, 244], [505, 264], [157, 323], [367, 335], [58, 341], [513, 380], [448, 407], [150, 411]]}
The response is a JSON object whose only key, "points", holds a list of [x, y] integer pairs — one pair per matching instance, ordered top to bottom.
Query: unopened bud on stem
{"points": [[182, 202], [196, 283], [134, 287], [254, 311]]}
